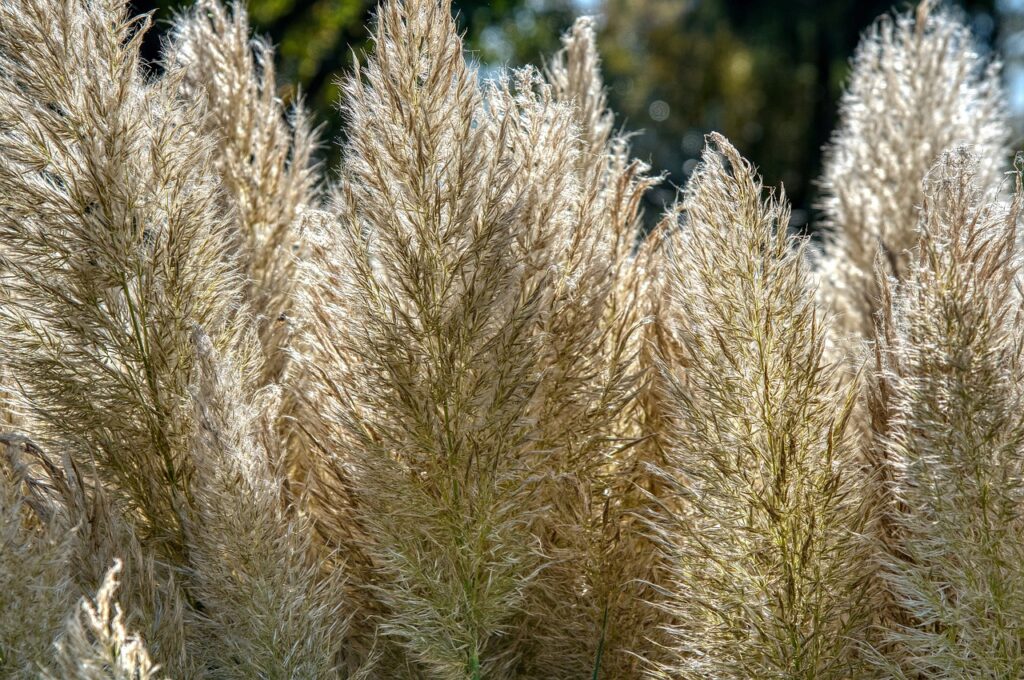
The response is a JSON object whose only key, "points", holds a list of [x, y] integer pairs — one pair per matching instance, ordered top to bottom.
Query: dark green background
{"points": [[767, 74]]}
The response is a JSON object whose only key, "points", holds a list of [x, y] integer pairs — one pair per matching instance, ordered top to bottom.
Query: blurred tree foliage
{"points": [[766, 73]]}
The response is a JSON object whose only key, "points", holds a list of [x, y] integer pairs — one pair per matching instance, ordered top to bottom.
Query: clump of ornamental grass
{"points": [[919, 85], [112, 248], [110, 252], [121, 278], [427, 289], [950, 348], [472, 363], [461, 420], [761, 530]]}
